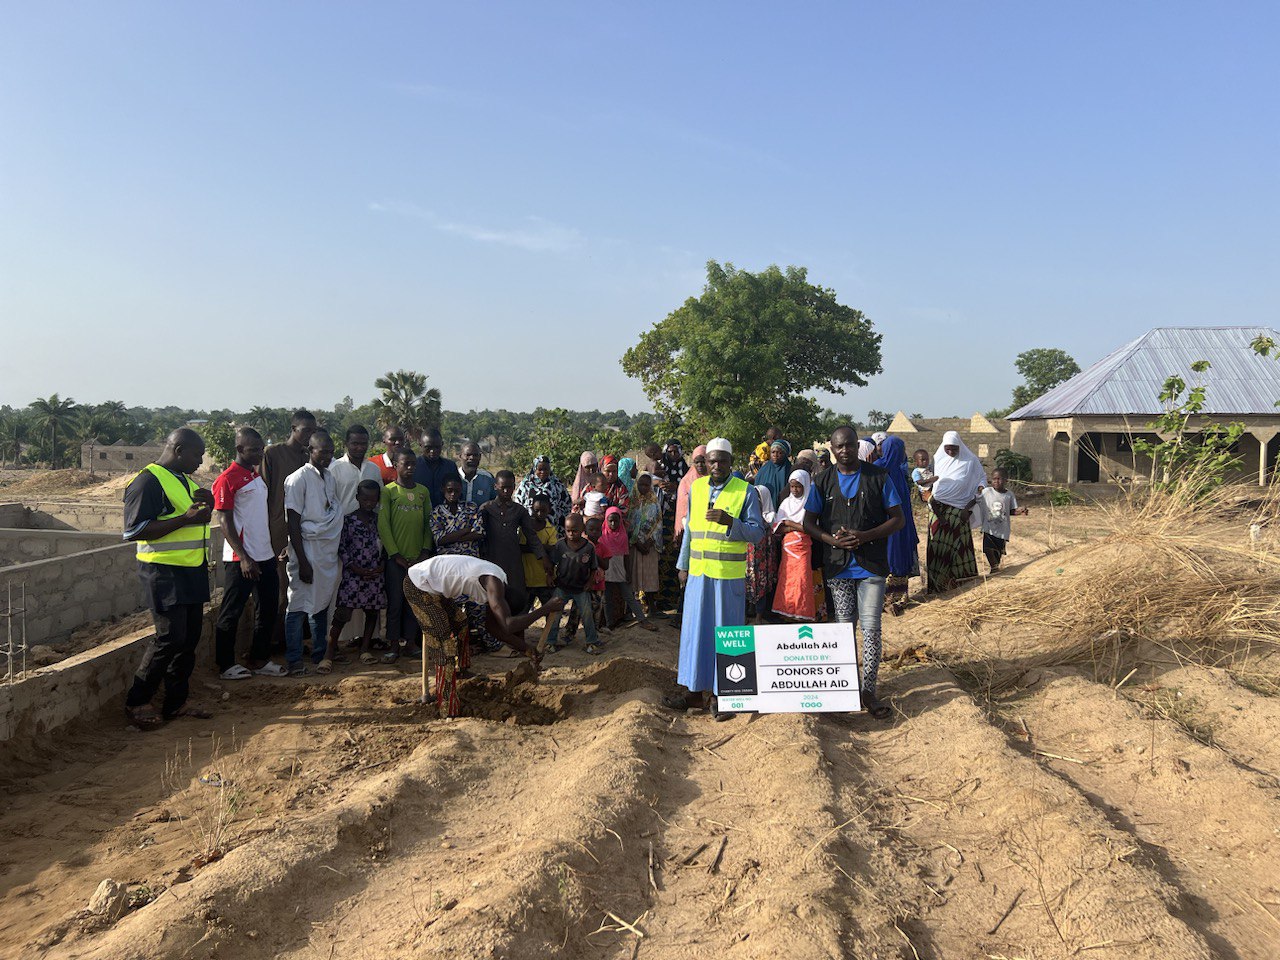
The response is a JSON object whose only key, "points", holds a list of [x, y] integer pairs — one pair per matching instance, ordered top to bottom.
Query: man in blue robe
{"points": [[712, 570]]}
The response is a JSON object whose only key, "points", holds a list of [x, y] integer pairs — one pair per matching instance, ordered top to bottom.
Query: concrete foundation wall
{"points": [[13, 515], [68, 515], [23, 546], [65, 593]]}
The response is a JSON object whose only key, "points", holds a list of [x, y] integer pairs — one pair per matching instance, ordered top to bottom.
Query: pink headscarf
{"points": [[583, 478], [686, 484], [613, 543]]}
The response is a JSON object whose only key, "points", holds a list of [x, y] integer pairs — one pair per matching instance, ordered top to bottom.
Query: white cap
{"points": [[720, 444]]}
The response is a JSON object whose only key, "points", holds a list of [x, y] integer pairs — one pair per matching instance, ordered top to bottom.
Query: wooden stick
{"points": [[549, 620], [1054, 756], [691, 857], [715, 864], [652, 882], [1005, 916], [617, 919]]}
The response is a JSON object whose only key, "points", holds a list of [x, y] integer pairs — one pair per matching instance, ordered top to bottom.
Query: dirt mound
{"points": [[52, 484]]}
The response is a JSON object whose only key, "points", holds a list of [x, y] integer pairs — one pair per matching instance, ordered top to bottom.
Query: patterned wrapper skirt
{"points": [[950, 556], [762, 573], [796, 596], [444, 642]]}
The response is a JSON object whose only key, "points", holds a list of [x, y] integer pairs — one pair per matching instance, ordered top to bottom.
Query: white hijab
{"points": [[959, 477], [766, 503], [792, 508]]}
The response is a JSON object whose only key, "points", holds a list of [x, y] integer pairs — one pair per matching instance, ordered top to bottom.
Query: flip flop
{"points": [[391, 656], [368, 659], [324, 666], [236, 672], [682, 703], [878, 709], [144, 717]]}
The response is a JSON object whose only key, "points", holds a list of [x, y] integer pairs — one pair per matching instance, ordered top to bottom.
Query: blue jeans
{"points": [[865, 600], [582, 604], [293, 636]]}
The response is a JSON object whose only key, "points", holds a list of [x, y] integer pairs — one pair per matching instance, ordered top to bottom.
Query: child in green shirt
{"points": [[404, 525]]}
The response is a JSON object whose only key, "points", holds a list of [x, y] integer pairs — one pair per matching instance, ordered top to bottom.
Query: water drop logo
{"points": [[735, 672]]}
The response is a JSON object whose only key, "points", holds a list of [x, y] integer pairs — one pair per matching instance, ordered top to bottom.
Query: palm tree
{"points": [[407, 402], [50, 414], [91, 425], [12, 431]]}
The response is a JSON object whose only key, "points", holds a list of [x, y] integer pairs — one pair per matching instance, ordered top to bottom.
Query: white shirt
{"points": [[347, 477], [313, 496], [997, 508], [249, 514], [452, 576]]}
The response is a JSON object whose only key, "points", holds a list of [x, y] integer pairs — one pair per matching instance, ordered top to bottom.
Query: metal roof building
{"points": [[1082, 430]]}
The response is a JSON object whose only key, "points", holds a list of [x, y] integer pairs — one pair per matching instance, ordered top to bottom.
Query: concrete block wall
{"points": [[13, 515], [88, 517], [23, 546], [65, 593]]}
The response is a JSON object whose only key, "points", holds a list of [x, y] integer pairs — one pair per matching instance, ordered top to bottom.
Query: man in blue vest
{"points": [[167, 515], [723, 518]]}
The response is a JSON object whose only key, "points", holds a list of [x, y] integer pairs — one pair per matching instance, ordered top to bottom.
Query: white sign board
{"points": [[788, 668]]}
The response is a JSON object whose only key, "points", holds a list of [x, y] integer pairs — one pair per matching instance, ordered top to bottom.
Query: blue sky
{"points": [[224, 205]]}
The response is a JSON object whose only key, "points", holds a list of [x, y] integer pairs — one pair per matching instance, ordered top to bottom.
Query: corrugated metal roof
{"points": [[1129, 381]]}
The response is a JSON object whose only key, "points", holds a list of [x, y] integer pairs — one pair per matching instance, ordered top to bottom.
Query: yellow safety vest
{"points": [[184, 547], [711, 552]]}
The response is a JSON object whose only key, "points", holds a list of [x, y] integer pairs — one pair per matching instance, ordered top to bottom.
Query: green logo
{"points": [[806, 632], [735, 641]]}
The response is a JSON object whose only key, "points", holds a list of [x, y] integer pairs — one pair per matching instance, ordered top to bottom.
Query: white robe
{"points": [[314, 497]]}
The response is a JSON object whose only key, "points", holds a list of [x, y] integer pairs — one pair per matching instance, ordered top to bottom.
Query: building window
{"points": [[1124, 443], [983, 450], [102, 456], [128, 456]]}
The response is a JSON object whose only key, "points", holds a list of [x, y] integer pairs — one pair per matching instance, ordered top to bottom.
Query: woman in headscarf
{"points": [[866, 450], [588, 467], [773, 473], [627, 474], [958, 479], [540, 480], [615, 490], [645, 521], [904, 545], [762, 563], [796, 596]]}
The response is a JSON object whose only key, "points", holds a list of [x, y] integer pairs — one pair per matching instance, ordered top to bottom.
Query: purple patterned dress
{"points": [[360, 546]]}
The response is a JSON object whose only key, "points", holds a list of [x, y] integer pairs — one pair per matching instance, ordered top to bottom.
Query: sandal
{"points": [[391, 656], [340, 658], [368, 659], [325, 666], [683, 702], [878, 709], [193, 710], [143, 717]]}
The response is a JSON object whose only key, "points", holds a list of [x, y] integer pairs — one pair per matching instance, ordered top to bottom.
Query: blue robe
{"points": [[711, 603]]}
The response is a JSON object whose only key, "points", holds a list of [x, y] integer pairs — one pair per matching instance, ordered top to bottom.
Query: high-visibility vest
{"points": [[184, 547], [711, 552]]}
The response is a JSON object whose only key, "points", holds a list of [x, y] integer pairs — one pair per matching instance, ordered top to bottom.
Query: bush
{"points": [[1015, 466], [1061, 497]]}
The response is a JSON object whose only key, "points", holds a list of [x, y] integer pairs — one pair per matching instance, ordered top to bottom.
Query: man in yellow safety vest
{"points": [[167, 515], [723, 518]]}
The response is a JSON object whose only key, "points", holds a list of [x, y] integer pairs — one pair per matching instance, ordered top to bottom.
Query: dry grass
{"points": [[1174, 572], [208, 797]]}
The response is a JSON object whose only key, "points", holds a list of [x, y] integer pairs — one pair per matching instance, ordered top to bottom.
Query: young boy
{"points": [[921, 473], [595, 501], [998, 506], [504, 521], [404, 524], [575, 563], [536, 580], [362, 586]]}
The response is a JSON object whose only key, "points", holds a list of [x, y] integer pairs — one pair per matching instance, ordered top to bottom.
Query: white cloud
{"points": [[534, 233]]}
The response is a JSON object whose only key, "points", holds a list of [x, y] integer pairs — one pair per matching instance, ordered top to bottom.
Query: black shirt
{"points": [[573, 567], [164, 586]]}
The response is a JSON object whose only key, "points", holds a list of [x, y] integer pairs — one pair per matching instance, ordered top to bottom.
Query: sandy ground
{"points": [[571, 815]]}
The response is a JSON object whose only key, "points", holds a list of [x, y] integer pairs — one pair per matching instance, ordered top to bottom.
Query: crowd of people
{"points": [[450, 557]]}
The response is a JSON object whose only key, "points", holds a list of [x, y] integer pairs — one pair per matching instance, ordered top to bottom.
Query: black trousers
{"points": [[236, 590], [169, 658]]}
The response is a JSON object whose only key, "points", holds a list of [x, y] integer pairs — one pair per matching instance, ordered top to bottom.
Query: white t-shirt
{"points": [[348, 478], [246, 494], [595, 503], [997, 508], [453, 575]]}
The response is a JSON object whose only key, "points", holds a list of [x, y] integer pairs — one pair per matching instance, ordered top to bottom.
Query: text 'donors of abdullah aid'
{"points": [[788, 668]]}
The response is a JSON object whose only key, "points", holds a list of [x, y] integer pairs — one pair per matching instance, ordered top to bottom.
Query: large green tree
{"points": [[745, 354], [1042, 369], [407, 402]]}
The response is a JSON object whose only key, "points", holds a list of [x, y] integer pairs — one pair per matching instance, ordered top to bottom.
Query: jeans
{"points": [[236, 589], [621, 590], [865, 599], [582, 606], [401, 623], [293, 636], [169, 659]]}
